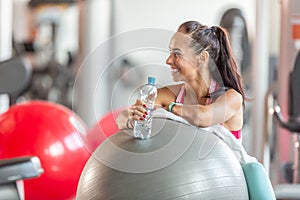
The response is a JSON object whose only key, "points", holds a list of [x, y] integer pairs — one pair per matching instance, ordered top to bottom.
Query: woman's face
{"points": [[182, 60]]}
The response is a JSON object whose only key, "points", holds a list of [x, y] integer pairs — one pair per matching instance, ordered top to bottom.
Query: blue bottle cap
{"points": [[151, 80]]}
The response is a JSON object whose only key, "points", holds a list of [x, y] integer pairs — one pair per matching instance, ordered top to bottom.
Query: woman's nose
{"points": [[169, 60]]}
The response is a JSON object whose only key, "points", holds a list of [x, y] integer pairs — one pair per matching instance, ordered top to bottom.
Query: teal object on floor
{"points": [[258, 182]]}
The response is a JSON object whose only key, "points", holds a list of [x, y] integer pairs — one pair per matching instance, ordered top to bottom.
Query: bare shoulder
{"points": [[233, 93], [232, 98]]}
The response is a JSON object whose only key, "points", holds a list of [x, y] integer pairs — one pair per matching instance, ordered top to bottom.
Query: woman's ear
{"points": [[204, 55], [203, 58]]}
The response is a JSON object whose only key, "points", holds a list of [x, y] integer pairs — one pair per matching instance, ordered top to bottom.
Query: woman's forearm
{"points": [[197, 115]]}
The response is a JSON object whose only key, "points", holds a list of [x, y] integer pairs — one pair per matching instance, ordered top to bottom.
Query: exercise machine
{"points": [[15, 75], [292, 124], [12, 173]]}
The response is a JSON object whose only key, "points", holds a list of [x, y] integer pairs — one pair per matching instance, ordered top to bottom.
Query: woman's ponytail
{"points": [[226, 62]]}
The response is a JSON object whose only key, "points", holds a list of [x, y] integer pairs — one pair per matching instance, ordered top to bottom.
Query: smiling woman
{"points": [[211, 92]]}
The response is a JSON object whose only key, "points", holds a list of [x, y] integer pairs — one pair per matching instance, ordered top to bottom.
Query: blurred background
{"points": [[92, 55]]}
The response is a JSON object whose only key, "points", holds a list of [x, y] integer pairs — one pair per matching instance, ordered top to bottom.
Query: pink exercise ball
{"points": [[105, 127], [57, 136]]}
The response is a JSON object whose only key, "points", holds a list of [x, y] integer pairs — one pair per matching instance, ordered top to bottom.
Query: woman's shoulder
{"points": [[232, 92], [234, 97]]}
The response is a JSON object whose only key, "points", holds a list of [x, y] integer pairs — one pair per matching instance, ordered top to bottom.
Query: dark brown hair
{"points": [[215, 41]]}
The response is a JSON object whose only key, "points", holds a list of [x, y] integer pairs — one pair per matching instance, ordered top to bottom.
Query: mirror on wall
{"points": [[235, 23]]}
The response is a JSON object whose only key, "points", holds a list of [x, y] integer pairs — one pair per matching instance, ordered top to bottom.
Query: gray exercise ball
{"points": [[179, 161]]}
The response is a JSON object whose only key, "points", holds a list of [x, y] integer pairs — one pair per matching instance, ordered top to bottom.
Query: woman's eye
{"points": [[176, 53]]}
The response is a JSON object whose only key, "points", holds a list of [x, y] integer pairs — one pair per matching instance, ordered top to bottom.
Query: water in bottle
{"points": [[148, 94]]}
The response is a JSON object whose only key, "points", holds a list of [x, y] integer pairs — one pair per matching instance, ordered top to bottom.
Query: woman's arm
{"points": [[165, 95], [223, 109]]}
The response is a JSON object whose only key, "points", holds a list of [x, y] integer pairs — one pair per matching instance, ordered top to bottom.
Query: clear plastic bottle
{"points": [[148, 93]]}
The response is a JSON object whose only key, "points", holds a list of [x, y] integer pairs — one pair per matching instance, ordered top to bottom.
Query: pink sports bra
{"points": [[212, 88]]}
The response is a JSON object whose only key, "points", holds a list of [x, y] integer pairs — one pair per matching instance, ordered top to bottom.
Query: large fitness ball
{"points": [[57, 136], [178, 162]]}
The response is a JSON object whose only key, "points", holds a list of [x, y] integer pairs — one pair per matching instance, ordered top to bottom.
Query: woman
{"points": [[212, 91]]}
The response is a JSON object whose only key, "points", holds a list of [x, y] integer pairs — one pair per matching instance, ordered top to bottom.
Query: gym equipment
{"points": [[54, 68], [15, 74], [293, 122], [53, 133], [178, 161], [14, 170], [12, 173], [258, 182], [291, 191]]}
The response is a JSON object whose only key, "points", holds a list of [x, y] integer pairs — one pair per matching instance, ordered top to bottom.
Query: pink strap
{"points": [[212, 88], [180, 96]]}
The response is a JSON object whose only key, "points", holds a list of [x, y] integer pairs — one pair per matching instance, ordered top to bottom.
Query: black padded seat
{"points": [[15, 76]]}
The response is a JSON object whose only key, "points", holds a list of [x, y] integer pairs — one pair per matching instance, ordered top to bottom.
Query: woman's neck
{"points": [[198, 88]]}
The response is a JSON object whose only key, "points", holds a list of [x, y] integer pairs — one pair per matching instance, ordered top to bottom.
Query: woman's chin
{"points": [[176, 78]]}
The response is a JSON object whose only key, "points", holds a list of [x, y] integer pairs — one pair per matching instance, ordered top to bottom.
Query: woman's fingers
{"points": [[138, 102], [141, 103], [138, 110]]}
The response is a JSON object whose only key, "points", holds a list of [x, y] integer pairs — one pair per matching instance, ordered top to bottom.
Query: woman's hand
{"points": [[137, 111], [126, 118]]}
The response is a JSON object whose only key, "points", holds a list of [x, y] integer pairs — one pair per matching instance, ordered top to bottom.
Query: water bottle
{"points": [[148, 94]]}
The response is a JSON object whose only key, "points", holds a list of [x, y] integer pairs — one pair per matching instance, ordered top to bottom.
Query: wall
{"points": [[5, 29]]}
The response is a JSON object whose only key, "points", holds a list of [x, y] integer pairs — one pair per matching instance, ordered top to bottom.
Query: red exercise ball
{"points": [[104, 128], [57, 136]]}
